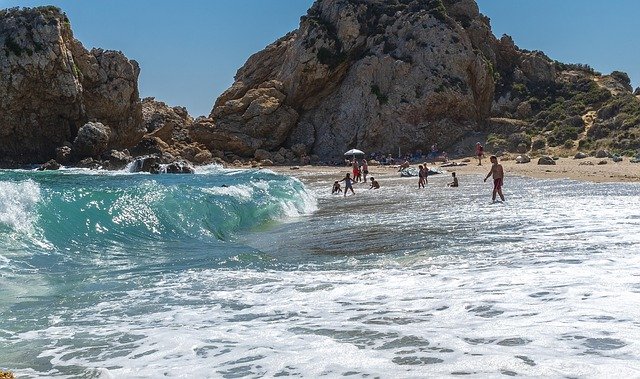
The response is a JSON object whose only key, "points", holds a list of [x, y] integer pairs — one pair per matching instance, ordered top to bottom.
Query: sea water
{"points": [[247, 273]]}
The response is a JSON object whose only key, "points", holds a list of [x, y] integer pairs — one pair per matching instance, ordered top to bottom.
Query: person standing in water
{"points": [[479, 153], [364, 168], [356, 170], [422, 175], [498, 177], [348, 184]]}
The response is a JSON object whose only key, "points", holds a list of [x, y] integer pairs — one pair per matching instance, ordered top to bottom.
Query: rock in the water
{"points": [[92, 140], [580, 155], [523, 159], [117, 160], [546, 160], [150, 163], [50, 165], [179, 167]]}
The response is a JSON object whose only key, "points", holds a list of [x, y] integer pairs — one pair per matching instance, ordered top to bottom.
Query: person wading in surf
{"points": [[498, 177]]}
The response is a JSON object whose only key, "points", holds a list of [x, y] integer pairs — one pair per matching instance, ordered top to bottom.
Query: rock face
{"points": [[379, 75], [50, 86]]}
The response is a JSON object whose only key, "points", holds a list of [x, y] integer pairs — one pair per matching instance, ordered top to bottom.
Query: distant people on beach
{"points": [[479, 153], [364, 168], [355, 170], [422, 176], [498, 177], [454, 183], [348, 184], [374, 184], [336, 188]]}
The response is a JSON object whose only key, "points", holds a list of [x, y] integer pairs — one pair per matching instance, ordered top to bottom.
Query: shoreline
{"points": [[565, 168]]}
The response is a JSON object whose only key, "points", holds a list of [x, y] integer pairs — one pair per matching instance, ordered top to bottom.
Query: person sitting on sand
{"points": [[405, 164], [498, 177], [455, 181], [348, 184], [374, 184], [336, 188]]}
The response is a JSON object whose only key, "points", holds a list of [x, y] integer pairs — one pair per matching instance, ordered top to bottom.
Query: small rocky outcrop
{"points": [[50, 86], [92, 140], [580, 155], [523, 159], [546, 160], [50, 165]]}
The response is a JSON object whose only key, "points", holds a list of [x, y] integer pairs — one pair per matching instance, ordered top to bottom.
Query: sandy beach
{"points": [[586, 169]]}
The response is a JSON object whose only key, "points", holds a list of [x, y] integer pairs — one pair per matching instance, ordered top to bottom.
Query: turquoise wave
{"points": [[75, 210]]}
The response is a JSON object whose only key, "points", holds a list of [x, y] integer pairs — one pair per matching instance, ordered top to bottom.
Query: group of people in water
{"points": [[361, 170]]}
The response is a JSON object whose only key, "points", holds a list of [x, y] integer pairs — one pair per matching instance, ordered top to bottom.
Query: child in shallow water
{"points": [[454, 183], [348, 184]]}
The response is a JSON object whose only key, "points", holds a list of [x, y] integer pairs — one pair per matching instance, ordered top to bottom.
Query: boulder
{"points": [[92, 140], [63, 154], [602, 154], [580, 155], [617, 158], [523, 159], [117, 160], [546, 160], [266, 162], [149, 163], [50, 165], [179, 167]]}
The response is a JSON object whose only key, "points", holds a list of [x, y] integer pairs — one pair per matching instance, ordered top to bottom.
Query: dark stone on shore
{"points": [[63, 154], [602, 154], [580, 155], [117, 160], [546, 160], [89, 163], [50, 165], [179, 167]]}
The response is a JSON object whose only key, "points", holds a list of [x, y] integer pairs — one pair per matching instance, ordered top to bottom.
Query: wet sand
{"points": [[586, 169]]}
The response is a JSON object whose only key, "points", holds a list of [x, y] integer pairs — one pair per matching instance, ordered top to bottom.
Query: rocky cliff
{"points": [[383, 75], [50, 86]]}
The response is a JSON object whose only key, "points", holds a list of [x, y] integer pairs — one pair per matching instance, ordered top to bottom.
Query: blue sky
{"points": [[190, 50]]}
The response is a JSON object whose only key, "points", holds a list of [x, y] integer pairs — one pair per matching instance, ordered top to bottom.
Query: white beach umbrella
{"points": [[354, 152]]}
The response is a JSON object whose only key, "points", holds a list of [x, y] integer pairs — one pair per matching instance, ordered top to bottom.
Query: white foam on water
{"points": [[17, 204]]}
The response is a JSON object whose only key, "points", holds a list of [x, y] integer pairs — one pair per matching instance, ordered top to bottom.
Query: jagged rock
{"points": [[50, 85], [636, 92], [164, 122], [92, 140], [150, 145], [63, 154], [261, 154], [602, 154], [580, 155], [523, 159], [117, 160], [546, 160], [266, 162], [89, 163], [149, 163], [50, 165], [179, 167]]}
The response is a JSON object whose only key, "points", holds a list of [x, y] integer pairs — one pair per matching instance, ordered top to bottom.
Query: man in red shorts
{"points": [[498, 176]]}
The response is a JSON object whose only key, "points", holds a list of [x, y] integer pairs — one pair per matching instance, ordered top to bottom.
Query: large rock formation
{"points": [[379, 75], [50, 86]]}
